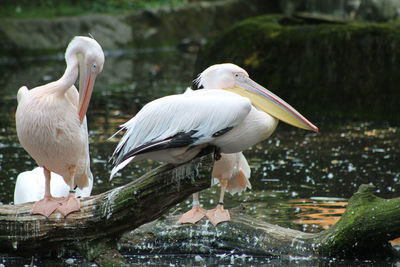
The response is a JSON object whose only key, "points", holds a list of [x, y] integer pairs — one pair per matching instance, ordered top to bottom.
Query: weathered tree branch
{"points": [[103, 217], [364, 231]]}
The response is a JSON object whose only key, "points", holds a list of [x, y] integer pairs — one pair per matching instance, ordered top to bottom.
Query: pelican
{"points": [[232, 113], [51, 124], [233, 173], [30, 185]]}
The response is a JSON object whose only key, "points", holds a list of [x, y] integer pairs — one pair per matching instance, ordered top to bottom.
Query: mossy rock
{"points": [[340, 70]]}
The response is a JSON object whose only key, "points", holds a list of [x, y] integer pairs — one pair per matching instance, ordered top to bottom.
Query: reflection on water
{"points": [[300, 179], [316, 213]]}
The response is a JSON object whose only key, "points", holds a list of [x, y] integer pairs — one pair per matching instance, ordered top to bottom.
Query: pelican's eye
{"points": [[94, 67], [239, 76]]}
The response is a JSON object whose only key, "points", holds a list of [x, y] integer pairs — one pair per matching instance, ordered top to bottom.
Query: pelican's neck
{"points": [[71, 72], [70, 75]]}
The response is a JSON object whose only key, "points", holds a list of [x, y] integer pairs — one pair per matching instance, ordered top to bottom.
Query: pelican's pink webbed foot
{"points": [[69, 205], [46, 206], [218, 215], [193, 216]]}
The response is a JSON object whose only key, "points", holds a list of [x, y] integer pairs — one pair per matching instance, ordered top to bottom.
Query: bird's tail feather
{"points": [[117, 132], [120, 166]]}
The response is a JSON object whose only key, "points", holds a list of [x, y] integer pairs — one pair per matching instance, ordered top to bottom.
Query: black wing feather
{"points": [[222, 132], [179, 140]]}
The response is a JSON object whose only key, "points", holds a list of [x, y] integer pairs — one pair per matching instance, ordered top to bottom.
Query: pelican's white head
{"points": [[88, 51], [91, 60], [220, 76], [235, 79]]}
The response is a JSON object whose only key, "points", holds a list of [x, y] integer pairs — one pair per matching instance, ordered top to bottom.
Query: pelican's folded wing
{"points": [[181, 120]]}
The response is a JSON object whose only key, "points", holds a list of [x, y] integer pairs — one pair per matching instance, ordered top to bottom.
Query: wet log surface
{"points": [[104, 217], [364, 231]]}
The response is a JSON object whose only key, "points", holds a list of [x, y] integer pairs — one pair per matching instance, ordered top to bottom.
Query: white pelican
{"points": [[51, 124], [175, 128], [233, 172], [30, 186]]}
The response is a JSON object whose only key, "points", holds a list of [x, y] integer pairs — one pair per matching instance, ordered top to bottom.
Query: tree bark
{"points": [[103, 217], [364, 231]]}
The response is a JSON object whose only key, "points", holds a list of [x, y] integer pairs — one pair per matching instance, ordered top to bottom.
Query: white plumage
{"points": [[200, 114], [49, 129], [235, 170]]}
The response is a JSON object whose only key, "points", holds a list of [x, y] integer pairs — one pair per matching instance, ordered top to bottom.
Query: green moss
{"points": [[341, 70], [365, 216]]}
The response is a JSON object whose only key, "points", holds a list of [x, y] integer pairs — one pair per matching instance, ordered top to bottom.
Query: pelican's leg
{"points": [[71, 203], [48, 204], [195, 214], [219, 214]]}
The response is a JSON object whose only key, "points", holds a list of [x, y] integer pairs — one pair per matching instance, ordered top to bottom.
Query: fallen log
{"points": [[105, 217], [364, 231]]}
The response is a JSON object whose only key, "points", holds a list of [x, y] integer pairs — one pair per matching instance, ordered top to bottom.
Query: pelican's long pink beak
{"points": [[85, 93], [270, 103]]}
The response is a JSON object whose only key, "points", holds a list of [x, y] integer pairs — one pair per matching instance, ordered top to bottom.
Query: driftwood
{"points": [[103, 218], [363, 231]]}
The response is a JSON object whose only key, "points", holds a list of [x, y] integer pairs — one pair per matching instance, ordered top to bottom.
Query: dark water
{"points": [[300, 180]]}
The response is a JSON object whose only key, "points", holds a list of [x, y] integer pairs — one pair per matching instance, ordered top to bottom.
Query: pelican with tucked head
{"points": [[51, 124]]}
